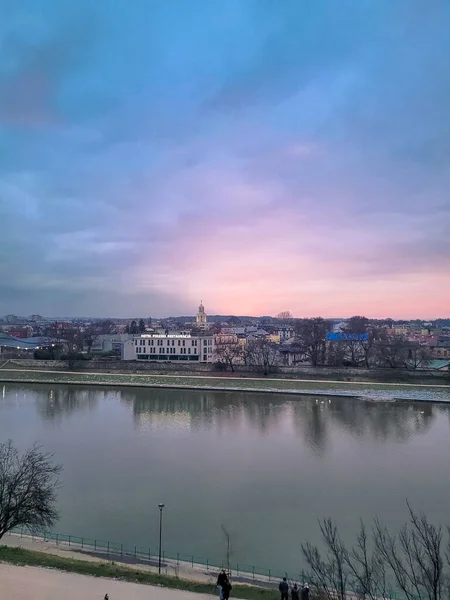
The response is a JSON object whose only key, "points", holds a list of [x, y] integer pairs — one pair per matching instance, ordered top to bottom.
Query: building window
{"points": [[135, 342], [153, 342], [173, 342], [204, 342], [179, 343], [184, 343], [189, 350], [204, 357]]}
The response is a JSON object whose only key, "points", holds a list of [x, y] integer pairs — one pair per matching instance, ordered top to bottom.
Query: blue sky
{"points": [[259, 155]]}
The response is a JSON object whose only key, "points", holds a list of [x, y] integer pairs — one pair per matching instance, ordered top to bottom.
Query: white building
{"points": [[108, 342], [170, 347]]}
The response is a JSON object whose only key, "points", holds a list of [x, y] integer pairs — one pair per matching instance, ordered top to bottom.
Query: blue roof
{"points": [[8, 341]]}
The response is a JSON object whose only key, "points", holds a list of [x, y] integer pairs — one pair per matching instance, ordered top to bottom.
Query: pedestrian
{"points": [[221, 580], [226, 589], [284, 589], [295, 592], [305, 592], [106, 597]]}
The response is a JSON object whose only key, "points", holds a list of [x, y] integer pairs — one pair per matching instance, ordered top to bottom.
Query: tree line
{"points": [[377, 348]]}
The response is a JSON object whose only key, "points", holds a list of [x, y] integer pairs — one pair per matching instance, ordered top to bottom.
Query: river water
{"points": [[264, 466]]}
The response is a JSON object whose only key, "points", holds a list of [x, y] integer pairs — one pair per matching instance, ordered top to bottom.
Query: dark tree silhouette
{"points": [[28, 486]]}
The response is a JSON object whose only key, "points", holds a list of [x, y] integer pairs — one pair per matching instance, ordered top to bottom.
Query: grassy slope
{"points": [[20, 556]]}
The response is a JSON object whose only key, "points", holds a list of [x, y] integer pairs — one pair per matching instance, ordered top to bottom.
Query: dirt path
{"points": [[33, 583]]}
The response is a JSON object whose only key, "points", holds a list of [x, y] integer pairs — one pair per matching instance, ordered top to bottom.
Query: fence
{"points": [[150, 556], [241, 572]]}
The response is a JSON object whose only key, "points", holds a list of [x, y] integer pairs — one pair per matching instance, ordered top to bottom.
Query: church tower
{"points": [[201, 316]]}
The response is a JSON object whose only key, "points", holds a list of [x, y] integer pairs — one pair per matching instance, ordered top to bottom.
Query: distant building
{"points": [[11, 318], [201, 320], [19, 332], [108, 342], [170, 347]]}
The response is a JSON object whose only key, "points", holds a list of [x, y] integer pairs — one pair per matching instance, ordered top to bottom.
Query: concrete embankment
{"points": [[363, 390]]}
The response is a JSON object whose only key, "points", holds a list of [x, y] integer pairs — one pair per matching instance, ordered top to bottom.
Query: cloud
{"points": [[36, 66], [259, 156]]}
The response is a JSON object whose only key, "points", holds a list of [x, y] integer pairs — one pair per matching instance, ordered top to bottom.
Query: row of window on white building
{"points": [[171, 343]]}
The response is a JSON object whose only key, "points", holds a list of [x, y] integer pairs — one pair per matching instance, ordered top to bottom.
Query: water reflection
{"points": [[57, 402], [312, 418], [220, 457]]}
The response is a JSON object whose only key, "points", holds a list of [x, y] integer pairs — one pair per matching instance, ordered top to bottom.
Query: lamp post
{"points": [[160, 506]]}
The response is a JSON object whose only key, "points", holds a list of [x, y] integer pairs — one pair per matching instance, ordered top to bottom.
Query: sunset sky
{"points": [[260, 155]]}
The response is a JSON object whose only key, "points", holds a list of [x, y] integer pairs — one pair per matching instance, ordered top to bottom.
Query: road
{"points": [[34, 583]]}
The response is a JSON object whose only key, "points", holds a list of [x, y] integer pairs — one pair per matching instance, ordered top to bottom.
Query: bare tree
{"points": [[285, 315], [90, 336], [311, 336], [72, 343], [391, 351], [228, 354], [262, 354], [418, 356], [28, 485], [414, 556], [412, 560], [367, 570], [329, 571]]}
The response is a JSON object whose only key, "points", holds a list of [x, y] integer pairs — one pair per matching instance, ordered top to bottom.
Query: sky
{"points": [[258, 155]]}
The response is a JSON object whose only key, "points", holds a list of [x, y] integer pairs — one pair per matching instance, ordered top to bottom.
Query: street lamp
{"points": [[160, 506]]}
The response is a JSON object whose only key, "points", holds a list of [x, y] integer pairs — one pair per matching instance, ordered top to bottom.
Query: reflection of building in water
{"points": [[56, 402], [207, 410]]}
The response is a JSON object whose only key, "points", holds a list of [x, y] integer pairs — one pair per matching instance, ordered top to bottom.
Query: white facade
{"points": [[170, 347]]}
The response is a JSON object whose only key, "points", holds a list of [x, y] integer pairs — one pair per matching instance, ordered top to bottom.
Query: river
{"points": [[266, 466]]}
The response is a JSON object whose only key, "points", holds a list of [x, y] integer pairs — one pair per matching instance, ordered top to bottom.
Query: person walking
{"points": [[221, 581], [226, 589], [284, 589], [295, 592], [305, 592]]}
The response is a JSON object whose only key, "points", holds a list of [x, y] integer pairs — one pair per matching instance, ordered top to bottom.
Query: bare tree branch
{"points": [[28, 485]]}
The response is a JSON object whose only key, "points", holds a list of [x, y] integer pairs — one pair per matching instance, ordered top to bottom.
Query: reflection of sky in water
{"points": [[265, 465]]}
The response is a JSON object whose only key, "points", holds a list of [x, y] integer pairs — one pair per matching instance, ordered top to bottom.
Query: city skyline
{"points": [[261, 156]]}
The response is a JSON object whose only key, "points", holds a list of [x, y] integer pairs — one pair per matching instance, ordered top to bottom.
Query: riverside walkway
{"points": [[25, 583]]}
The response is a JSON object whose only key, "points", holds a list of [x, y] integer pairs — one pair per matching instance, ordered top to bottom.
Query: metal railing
{"points": [[149, 556], [241, 572]]}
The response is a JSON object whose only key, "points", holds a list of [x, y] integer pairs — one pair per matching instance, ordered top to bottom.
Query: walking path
{"points": [[184, 570], [25, 583]]}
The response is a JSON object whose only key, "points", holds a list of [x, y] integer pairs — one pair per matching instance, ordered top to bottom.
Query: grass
{"points": [[21, 556]]}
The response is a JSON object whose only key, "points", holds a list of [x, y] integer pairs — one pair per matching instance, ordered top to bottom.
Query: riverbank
{"points": [[299, 372], [354, 389], [27, 550]]}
